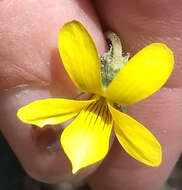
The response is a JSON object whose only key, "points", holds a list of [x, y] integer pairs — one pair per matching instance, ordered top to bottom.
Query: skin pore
{"points": [[31, 69]]}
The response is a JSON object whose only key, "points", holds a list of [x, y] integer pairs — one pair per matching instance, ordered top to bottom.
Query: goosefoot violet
{"points": [[86, 140]]}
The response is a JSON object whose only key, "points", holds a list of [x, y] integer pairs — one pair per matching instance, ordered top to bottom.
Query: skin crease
{"points": [[29, 38]]}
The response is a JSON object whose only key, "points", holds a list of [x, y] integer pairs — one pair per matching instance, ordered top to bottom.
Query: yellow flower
{"points": [[86, 140]]}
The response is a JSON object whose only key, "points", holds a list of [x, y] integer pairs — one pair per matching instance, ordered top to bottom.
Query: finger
{"points": [[139, 23], [31, 70], [161, 114]]}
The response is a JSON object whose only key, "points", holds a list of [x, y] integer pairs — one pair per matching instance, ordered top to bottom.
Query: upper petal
{"points": [[80, 57], [142, 75], [50, 111], [136, 139], [86, 140]]}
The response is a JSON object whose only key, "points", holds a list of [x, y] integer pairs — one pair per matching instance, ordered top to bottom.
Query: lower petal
{"points": [[50, 111], [136, 139], [86, 140]]}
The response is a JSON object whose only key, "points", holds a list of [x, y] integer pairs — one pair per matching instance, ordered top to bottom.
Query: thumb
{"points": [[31, 70]]}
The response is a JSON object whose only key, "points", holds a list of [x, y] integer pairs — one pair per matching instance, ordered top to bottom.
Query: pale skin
{"points": [[31, 69]]}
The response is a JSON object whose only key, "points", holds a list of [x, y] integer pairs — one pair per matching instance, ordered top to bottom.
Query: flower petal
{"points": [[80, 57], [142, 75], [50, 111], [136, 139], [86, 140]]}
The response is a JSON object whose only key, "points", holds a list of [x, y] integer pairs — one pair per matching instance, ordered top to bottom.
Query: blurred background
{"points": [[13, 177]]}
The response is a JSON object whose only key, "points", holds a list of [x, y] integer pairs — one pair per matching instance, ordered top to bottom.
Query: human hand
{"points": [[29, 57]]}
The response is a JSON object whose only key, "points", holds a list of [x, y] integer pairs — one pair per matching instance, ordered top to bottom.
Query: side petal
{"points": [[80, 57], [142, 75], [50, 111], [136, 139], [86, 140]]}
